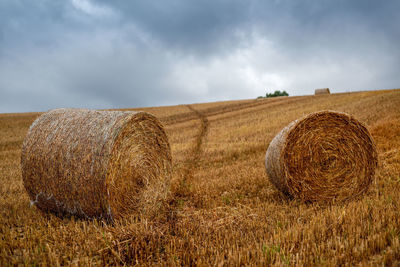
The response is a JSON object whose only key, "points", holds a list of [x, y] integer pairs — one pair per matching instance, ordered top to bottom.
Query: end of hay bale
{"points": [[141, 153], [324, 156]]}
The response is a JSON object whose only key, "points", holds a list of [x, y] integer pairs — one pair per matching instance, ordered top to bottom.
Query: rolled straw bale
{"points": [[322, 91], [322, 157], [96, 164]]}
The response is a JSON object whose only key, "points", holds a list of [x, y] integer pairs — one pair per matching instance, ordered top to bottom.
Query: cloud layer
{"points": [[102, 54]]}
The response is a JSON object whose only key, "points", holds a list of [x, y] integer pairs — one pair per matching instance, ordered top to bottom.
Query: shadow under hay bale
{"points": [[322, 157], [96, 164]]}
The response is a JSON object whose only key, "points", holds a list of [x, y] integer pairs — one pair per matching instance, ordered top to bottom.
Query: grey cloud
{"points": [[193, 26], [110, 54]]}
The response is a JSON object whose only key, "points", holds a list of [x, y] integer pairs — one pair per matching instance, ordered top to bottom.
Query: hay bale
{"points": [[322, 91], [322, 157], [96, 164]]}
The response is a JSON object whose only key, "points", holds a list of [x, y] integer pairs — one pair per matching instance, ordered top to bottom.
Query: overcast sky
{"points": [[118, 54]]}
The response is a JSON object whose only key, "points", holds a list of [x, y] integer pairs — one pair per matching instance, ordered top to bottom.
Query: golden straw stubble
{"points": [[322, 157], [96, 164]]}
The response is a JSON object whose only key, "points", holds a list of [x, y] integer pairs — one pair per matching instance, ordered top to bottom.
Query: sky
{"points": [[119, 54]]}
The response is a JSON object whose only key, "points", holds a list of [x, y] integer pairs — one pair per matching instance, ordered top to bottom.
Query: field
{"points": [[222, 209]]}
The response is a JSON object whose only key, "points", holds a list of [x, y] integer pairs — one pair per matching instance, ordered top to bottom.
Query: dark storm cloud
{"points": [[200, 24], [187, 25], [103, 54]]}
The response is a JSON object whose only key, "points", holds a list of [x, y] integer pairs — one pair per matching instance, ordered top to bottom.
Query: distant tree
{"points": [[277, 93]]}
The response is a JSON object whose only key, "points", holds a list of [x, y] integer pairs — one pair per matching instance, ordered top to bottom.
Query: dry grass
{"points": [[222, 208]]}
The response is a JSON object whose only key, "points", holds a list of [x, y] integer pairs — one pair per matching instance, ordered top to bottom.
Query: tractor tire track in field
{"points": [[222, 109], [192, 115], [202, 134], [193, 158]]}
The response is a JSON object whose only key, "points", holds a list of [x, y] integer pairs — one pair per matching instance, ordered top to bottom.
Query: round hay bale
{"points": [[322, 91], [322, 157], [96, 164]]}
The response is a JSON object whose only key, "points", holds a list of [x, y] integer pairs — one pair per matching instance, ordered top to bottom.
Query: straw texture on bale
{"points": [[322, 91], [322, 157], [96, 164]]}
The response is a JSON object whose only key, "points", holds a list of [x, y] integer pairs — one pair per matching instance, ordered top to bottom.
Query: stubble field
{"points": [[222, 210]]}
